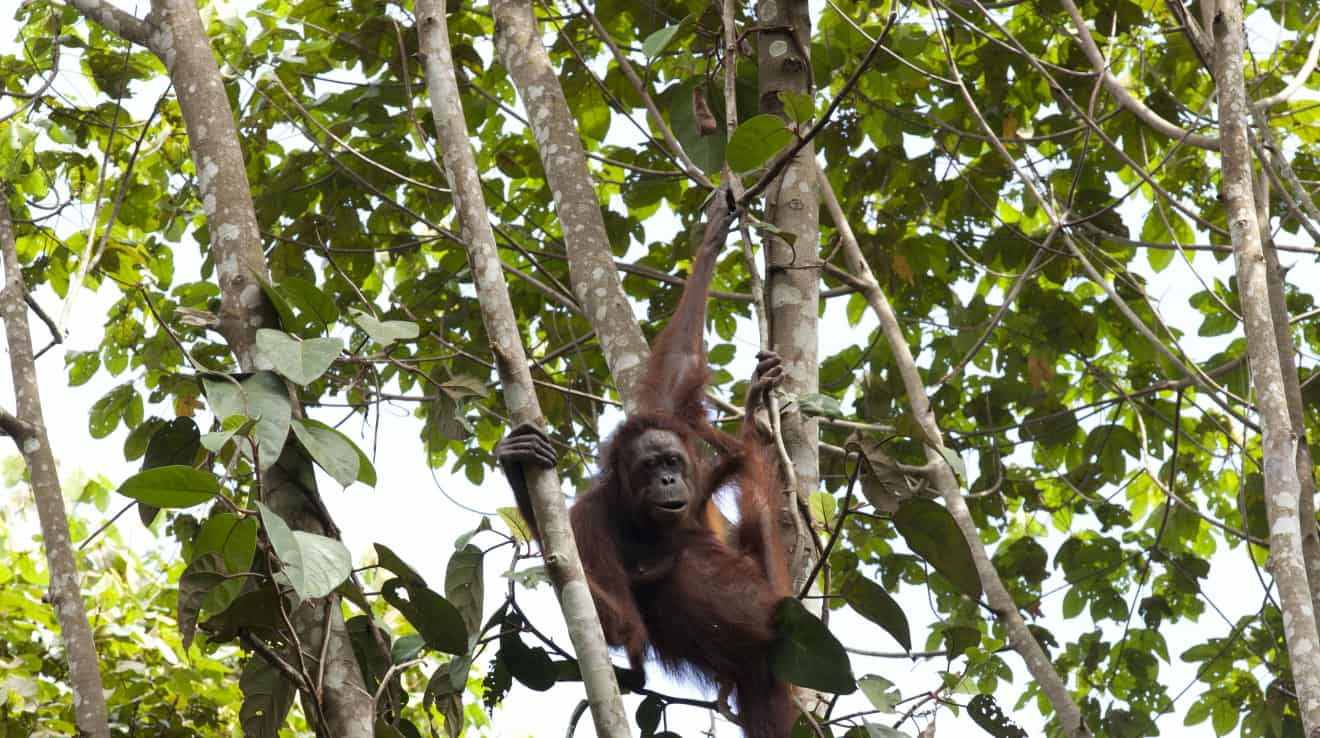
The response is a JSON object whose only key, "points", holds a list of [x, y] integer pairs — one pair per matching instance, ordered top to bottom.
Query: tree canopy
{"points": [[1044, 275]]}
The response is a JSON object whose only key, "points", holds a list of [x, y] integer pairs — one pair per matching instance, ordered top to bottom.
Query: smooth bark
{"points": [[174, 32], [27, 428], [1279, 442], [946, 482], [557, 544]]}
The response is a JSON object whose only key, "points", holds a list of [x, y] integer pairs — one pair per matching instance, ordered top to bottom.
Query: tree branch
{"points": [[119, 22], [1124, 96], [558, 546]]}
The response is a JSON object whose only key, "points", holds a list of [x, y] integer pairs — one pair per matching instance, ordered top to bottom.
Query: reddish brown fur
{"points": [[701, 602], [701, 605]]}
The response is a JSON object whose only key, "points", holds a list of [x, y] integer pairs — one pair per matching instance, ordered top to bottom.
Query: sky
{"points": [[418, 513]]}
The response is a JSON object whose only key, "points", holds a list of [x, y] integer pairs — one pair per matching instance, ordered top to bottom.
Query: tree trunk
{"points": [[174, 33], [590, 261], [793, 270], [1292, 386], [28, 430], [1278, 441], [558, 547]]}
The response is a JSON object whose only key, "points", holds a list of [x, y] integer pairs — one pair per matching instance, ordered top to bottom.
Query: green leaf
{"points": [[657, 42], [799, 106], [755, 141], [705, 148], [316, 310], [385, 332], [302, 361], [82, 366], [261, 396], [820, 405], [234, 425], [176, 443], [330, 448], [955, 462], [171, 486], [823, 506], [513, 518], [931, 532], [234, 538], [390, 561], [314, 564], [204, 574], [464, 586], [872, 602], [257, 611], [434, 617], [959, 638], [805, 653], [531, 666], [880, 692], [267, 697]]}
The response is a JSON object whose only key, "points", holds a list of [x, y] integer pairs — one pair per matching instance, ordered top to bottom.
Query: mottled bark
{"points": [[174, 33], [179, 40], [590, 260], [793, 270], [1293, 388], [27, 428], [1278, 440], [557, 544]]}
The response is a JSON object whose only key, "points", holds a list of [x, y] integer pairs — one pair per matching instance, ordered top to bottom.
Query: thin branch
{"points": [[121, 23], [1298, 81], [1124, 96], [652, 111]]}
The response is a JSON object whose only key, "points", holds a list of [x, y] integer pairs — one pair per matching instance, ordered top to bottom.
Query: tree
{"points": [[1038, 423], [155, 686]]}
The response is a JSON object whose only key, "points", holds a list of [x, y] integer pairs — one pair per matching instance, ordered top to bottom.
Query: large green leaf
{"points": [[755, 141], [302, 361], [262, 397], [335, 453], [171, 486], [931, 532], [232, 537], [390, 561], [314, 564], [197, 581], [464, 585], [872, 602], [435, 619], [805, 653], [530, 665], [267, 697]]}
